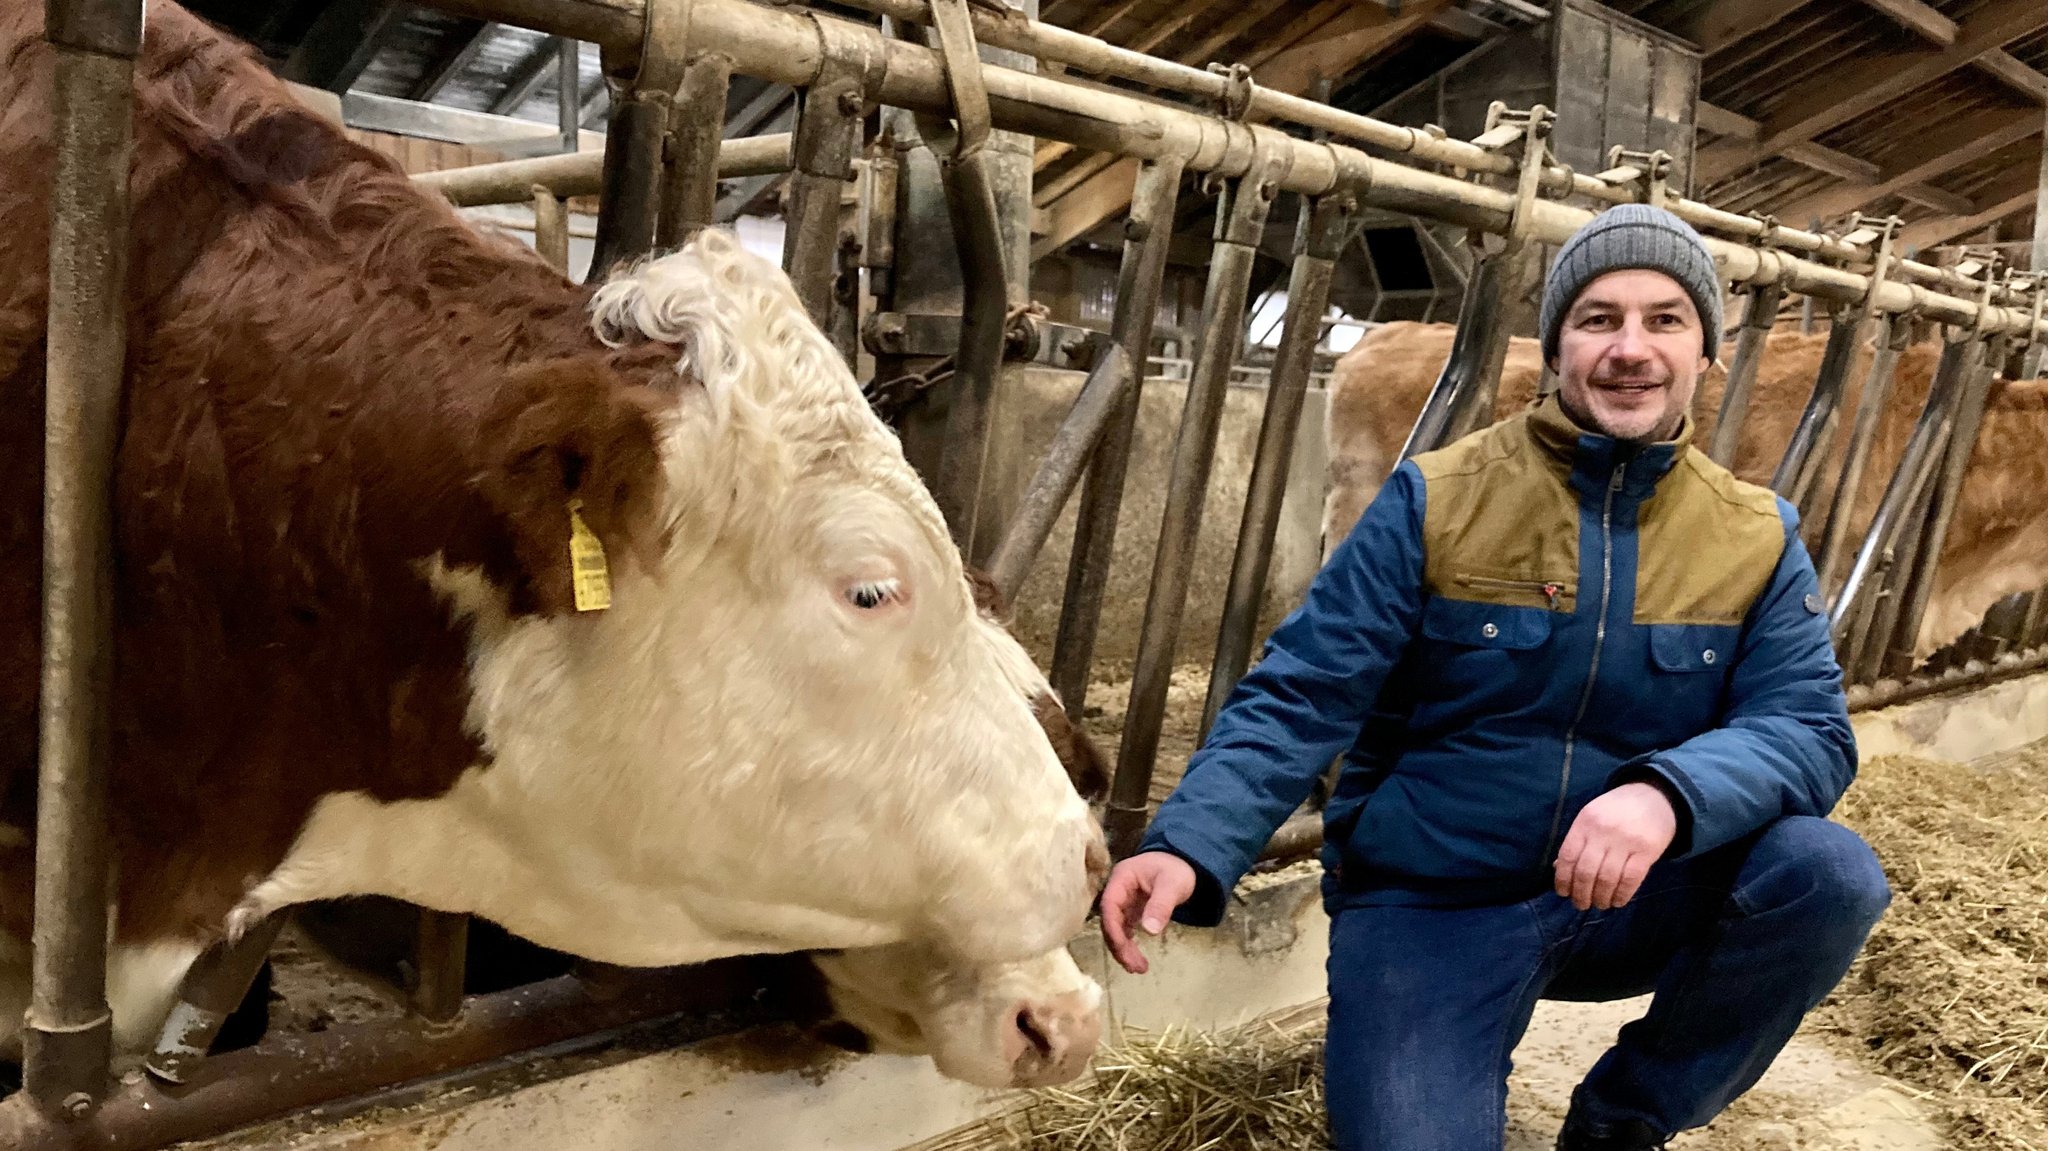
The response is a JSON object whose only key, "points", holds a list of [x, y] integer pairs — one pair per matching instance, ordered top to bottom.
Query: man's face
{"points": [[1629, 355]]}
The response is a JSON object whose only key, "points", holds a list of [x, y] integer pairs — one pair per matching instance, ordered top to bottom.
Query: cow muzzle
{"points": [[1052, 1039]]}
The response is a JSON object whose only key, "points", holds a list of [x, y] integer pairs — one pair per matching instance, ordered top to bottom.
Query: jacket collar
{"points": [[1589, 460]]}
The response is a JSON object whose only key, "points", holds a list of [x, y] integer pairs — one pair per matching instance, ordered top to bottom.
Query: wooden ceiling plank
{"points": [[1923, 19], [1722, 23], [1837, 96], [1935, 157]]}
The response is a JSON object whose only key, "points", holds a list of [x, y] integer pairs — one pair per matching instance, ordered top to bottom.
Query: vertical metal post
{"points": [[569, 92], [827, 133], [689, 196], [630, 197], [1326, 223], [1240, 224], [551, 228], [1148, 235], [2037, 263], [1757, 320], [1894, 334], [1980, 364], [1811, 438], [1861, 619], [440, 959], [68, 1030]]}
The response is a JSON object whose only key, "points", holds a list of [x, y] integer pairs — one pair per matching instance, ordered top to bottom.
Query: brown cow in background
{"points": [[1997, 544]]}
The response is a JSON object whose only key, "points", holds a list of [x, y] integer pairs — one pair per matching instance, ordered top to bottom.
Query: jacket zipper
{"points": [[1548, 589], [1564, 782]]}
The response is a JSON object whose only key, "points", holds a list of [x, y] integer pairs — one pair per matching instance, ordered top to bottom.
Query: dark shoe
{"points": [[1625, 1135]]}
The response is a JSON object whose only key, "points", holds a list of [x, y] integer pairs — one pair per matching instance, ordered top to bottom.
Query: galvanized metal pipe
{"points": [[777, 46], [569, 93], [827, 136], [690, 164], [511, 181], [631, 196], [1240, 224], [1324, 226], [551, 229], [1148, 236], [984, 314], [1757, 320], [1892, 337], [1980, 365], [1462, 398], [1810, 442], [1059, 472], [1863, 612], [440, 960], [213, 987], [67, 1034], [286, 1073]]}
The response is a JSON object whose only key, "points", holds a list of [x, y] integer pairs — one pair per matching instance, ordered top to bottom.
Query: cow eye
{"points": [[869, 595]]}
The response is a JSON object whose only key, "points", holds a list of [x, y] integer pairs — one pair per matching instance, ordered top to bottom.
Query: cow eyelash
{"points": [[873, 594]]}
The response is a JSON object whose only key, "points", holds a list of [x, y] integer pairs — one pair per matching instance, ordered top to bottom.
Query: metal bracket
{"points": [[1235, 101], [1531, 128], [1649, 171], [1241, 219], [1885, 231]]}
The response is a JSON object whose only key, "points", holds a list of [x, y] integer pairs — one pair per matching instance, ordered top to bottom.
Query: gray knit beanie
{"points": [[1633, 236]]}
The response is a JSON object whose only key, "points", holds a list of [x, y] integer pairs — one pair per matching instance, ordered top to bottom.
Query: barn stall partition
{"points": [[672, 62]]}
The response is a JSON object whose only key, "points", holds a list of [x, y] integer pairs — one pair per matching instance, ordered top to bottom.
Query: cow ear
{"points": [[571, 432]]}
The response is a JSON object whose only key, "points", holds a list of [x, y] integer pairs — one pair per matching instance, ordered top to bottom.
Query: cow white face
{"points": [[790, 730], [1027, 1024]]}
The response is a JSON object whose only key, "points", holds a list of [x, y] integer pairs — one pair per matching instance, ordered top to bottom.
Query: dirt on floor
{"points": [[1938, 1037]]}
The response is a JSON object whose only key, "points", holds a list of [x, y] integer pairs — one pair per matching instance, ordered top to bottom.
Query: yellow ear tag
{"points": [[592, 576]]}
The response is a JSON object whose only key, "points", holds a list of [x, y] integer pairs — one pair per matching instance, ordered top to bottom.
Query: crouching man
{"points": [[1591, 724]]}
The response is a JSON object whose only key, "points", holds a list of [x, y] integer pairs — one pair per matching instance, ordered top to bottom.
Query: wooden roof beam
{"points": [[1717, 25], [1936, 28], [2009, 68], [1839, 95], [1934, 156], [1821, 158], [1922, 234]]}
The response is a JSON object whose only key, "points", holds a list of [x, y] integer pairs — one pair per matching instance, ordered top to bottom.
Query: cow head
{"points": [[791, 729]]}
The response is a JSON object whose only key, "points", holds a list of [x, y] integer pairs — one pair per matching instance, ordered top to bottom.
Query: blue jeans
{"points": [[1427, 1004]]}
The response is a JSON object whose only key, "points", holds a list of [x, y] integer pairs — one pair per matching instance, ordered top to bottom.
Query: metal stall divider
{"points": [[644, 77], [1240, 224], [1325, 225], [1148, 235], [67, 1037]]}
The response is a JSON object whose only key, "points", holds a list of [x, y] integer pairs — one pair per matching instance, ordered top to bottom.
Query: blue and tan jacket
{"points": [[1517, 623]]}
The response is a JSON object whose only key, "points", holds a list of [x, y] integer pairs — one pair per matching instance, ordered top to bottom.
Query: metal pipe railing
{"points": [[778, 48], [827, 137], [690, 164], [581, 174], [971, 205], [1240, 225], [1324, 226], [551, 229], [1148, 236], [1757, 321], [1893, 335], [1980, 366], [1101, 396], [1461, 398], [1811, 437], [1860, 621], [440, 964], [68, 1031]]}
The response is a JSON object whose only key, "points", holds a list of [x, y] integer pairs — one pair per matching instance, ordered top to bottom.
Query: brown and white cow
{"points": [[1996, 545], [348, 655]]}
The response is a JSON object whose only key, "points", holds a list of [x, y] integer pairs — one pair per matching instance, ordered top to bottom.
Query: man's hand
{"points": [[1611, 846], [1145, 888]]}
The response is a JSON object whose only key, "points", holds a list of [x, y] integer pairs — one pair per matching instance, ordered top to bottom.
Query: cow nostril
{"points": [[1038, 1039]]}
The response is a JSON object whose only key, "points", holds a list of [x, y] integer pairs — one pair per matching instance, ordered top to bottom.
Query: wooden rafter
{"points": [[1717, 25], [1837, 96], [1930, 158], [1941, 229]]}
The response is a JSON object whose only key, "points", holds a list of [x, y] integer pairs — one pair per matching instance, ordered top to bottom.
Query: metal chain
{"points": [[890, 398]]}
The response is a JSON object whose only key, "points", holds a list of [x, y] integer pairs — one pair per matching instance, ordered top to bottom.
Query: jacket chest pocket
{"points": [[1483, 647], [1688, 676]]}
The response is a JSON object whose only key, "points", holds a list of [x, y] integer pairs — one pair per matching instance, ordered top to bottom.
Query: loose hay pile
{"points": [[1952, 992], [1254, 1088]]}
